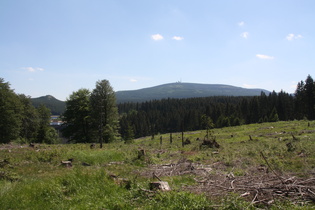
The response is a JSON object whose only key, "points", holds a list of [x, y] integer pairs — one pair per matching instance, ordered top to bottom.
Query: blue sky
{"points": [[57, 47]]}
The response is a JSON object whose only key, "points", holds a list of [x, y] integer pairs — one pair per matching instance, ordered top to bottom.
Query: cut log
{"points": [[66, 163], [163, 186]]}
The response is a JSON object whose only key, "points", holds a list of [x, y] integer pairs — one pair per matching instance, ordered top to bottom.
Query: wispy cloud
{"points": [[242, 23], [245, 35], [157, 37], [291, 37], [178, 38], [265, 57], [32, 69], [40, 69], [133, 80]]}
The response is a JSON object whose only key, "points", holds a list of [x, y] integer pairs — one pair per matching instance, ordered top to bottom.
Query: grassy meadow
{"points": [[266, 166]]}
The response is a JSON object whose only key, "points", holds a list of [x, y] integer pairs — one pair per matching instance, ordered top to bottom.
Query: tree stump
{"points": [[187, 141], [210, 143], [92, 146], [141, 154], [66, 163], [126, 183], [160, 185]]}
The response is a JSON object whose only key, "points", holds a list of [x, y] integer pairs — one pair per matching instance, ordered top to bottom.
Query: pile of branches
{"points": [[264, 186], [260, 189]]}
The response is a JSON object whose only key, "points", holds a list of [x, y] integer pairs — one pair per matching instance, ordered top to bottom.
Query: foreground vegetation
{"points": [[256, 166]]}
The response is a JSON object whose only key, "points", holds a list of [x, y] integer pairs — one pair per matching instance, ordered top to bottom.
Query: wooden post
{"points": [[183, 139]]}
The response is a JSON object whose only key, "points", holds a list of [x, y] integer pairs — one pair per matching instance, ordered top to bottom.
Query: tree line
{"points": [[94, 116], [20, 121]]}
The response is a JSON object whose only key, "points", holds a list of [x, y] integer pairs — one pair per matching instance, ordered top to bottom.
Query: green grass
{"points": [[35, 178]]}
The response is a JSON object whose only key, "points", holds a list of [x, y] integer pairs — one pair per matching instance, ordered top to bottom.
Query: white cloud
{"points": [[242, 23], [245, 35], [157, 37], [291, 37], [178, 38], [265, 57], [32, 69], [40, 69], [133, 80]]}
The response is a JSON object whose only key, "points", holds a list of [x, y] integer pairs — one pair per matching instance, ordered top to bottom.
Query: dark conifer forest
{"points": [[175, 115]]}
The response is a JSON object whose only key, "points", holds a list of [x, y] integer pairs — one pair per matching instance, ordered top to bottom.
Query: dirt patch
{"points": [[11, 146]]}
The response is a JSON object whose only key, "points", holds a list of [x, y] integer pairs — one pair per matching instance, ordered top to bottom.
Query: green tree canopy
{"points": [[305, 98], [104, 111], [10, 113], [77, 116], [30, 119], [44, 132]]}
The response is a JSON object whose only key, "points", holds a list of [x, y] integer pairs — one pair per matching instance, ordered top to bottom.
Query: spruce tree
{"points": [[104, 112], [10, 113], [77, 116]]}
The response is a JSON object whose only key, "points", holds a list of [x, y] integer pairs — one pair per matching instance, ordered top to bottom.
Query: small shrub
{"points": [[9, 176]]}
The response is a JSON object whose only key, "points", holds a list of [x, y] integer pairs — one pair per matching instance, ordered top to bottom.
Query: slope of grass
{"points": [[116, 177]]}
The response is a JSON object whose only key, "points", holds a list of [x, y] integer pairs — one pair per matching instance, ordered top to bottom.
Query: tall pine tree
{"points": [[104, 112], [77, 116]]}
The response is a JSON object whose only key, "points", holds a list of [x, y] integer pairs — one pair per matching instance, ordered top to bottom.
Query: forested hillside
{"points": [[172, 90], [184, 90], [56, 106], [174, 115]]}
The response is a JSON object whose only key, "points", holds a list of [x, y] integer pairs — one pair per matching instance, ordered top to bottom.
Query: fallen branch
{"points": [[263, 156], [154, 175], [232, 186], [311, 191], [253, 201]]}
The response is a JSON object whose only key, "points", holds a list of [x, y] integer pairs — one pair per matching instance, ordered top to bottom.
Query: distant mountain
{"points": [[172, 90], [184, 90], [56, 106]]}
